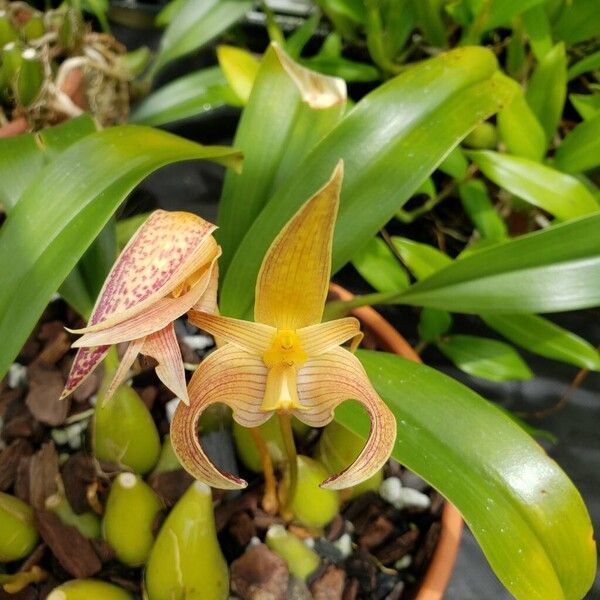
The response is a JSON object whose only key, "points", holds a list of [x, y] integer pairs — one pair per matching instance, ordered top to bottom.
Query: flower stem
{"points": [[285, 424], [269, 501]]}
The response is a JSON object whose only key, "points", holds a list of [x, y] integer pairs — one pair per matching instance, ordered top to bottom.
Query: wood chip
{"points": [[43, 399], [20, 423], [10, 458], [77, 474], [43, 475], [171, 485], [242, 528], [377, 532], [427, 546], [397, 548], [74, 552], [259, 574], [330, 586]]}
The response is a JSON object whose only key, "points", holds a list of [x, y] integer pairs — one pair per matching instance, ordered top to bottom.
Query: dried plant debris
{"points": [[376, 548]]}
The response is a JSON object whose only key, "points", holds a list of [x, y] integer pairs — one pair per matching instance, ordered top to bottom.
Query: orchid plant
{"points": [[278, 252]]}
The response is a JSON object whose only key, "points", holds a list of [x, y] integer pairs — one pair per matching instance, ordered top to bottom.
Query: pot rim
{"points": [[436, 577]]}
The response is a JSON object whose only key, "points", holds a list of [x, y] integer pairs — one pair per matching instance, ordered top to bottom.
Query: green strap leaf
{"points": [[194, 24], [537, 27], [590, 62], [547, 89], [188, 96], [587, 105], [520, 129], [275, 133], [391, 141], [580, 150], [23, 156], [558, 193], [478, 205], [63, 210], [422, 260], [380, 268], [547, 271], [540, 336], [484, 357], [523, 510]]}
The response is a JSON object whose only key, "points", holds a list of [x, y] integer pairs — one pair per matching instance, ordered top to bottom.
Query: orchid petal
{"points": [[198, 274], [293, 281], [208, 300], [152, 319], [252, 337], [320, 338], [163, 347], [133, 349], [86, 360], [230, 376], [325, 382]]}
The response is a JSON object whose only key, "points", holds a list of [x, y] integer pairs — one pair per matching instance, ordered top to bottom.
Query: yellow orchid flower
{"points": [[168, 267], [287, 361]]}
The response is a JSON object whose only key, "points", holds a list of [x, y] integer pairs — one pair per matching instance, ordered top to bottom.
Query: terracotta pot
{"points": [[437, 576]]}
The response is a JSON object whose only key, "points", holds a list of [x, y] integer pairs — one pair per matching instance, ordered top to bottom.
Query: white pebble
{"points": [[198, 342], [16, 376], [170, 407], [390, 489], [412, 498], [254, 541], [310, 542], [344, 545], [403, 563]]}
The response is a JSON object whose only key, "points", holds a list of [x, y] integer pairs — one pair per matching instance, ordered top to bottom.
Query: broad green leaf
{"points": [[166, 14], [492, 14], [579, 20], [429, 21], [194, 24], [537, 27], [295, 43], [590, 62], [239, 67], [547, 89], [188, 96], [587, 105], [520, 129], [275, 132], [390, 142], [580, 150], [23, 156], [455, 164], [558, 193], [478, 206], [65, 207], [421, 259], [380, 268], [547, 271], [433, 323], [540, 336], [484, 357], [523, 510]]}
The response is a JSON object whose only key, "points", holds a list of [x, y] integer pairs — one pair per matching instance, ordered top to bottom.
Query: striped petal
{"points": [[165, 251], [293, 280], [152, 319], [252, 337], [320, 338], [163, 347], [133, 349], [86, 360], [229, 376], [325, 382]]}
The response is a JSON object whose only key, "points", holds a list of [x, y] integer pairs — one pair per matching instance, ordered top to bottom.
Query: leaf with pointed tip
{"points": [[390, 142], [580, 150], [560, 194], [64, 209], [547, 271], [523, 510]]}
